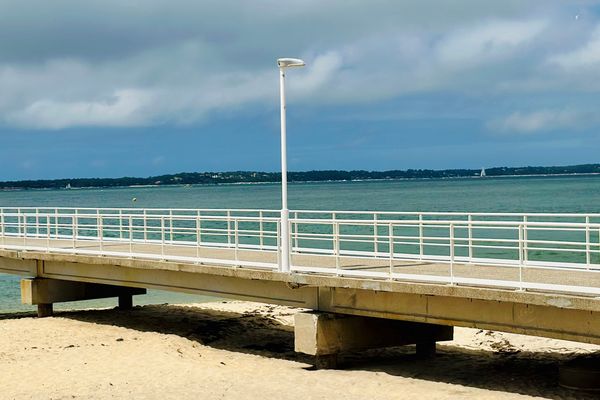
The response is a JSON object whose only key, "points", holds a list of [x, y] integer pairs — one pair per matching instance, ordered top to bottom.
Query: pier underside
{"points": [[558, 316]]}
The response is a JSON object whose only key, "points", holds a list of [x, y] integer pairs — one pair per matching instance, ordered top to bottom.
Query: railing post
{"points": [[199, 215], [19, 221], [37, 222], [56, 223], [98, 223], [120, 224], [145, 226], [171, 226], [25, 228], [228, 228], [75, 229], [260, 230], [333, 230], [100, 231], [295, 231], [2, 232], [48, 232], [470, 233], [198, 234], [292, 234], [375, 235], [130, 236], [162, 236], [236, 239], [421, 239], [336, 245], [525, 246], [391, 247], [279, 249], [452, 254], [588, 255], [521, 256], [286, 257]]}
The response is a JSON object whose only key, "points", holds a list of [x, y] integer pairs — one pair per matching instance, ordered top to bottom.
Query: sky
{"points": [[145, 87]]}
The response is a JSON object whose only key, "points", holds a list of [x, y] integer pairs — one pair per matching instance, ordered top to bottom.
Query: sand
{"points": [[239, 350]]}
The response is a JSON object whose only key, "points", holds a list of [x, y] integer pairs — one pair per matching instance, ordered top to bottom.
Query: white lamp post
{"points": [[284, 63]]}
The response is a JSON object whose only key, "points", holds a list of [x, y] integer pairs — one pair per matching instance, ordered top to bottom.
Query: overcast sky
{"points": [[142, 87]]}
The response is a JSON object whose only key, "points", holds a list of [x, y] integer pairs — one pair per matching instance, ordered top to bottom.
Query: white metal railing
{"points": [[542, 251]]}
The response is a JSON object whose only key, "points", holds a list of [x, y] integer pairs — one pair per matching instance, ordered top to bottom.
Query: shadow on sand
{"points": [[257, 332]]}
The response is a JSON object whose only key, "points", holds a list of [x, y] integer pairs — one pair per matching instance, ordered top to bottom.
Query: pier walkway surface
{"points": [[535, 274]]}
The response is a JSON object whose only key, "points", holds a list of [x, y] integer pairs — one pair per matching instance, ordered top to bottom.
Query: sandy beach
{"points": [[240, 350]]}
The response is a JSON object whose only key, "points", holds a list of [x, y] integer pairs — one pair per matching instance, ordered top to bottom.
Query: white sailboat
{"points": [[482, 173]]}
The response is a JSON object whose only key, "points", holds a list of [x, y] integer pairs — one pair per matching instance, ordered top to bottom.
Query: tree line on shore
{"points": [[195, 178]]}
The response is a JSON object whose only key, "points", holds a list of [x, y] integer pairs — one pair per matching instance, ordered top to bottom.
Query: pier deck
{"points": [[417, 271]]}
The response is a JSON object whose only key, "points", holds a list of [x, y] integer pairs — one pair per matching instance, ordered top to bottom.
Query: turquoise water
{"points": [[527, 194], [549, 194]]}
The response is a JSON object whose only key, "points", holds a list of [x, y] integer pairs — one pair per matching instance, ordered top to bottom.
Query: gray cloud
{"points": [[136, 63], [546, 120]]}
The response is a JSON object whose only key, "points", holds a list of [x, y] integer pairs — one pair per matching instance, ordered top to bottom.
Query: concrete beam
{"points": [[17, 266], [259, 290], [44, 292], [505, 316], [325, 335]]}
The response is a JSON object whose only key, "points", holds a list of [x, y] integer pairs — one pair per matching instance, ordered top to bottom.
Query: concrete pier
{"points": [[125, 301], [45, 310]]}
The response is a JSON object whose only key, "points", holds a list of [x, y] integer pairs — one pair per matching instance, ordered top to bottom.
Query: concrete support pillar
{"points": [[44, 292], [125, 302], [44, 310], [326, 335], [426, 349], [326, 361]]}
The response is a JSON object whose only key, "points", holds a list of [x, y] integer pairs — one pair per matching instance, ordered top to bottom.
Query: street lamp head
{"points": [[290, 62]]}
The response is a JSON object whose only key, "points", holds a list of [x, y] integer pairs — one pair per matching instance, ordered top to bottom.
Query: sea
{"points": [[556, 194]]}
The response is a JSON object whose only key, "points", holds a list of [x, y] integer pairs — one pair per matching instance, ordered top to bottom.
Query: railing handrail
{"points": [[140, 209], [309, 211], [443, 213], [142, 216], [456, 223]]}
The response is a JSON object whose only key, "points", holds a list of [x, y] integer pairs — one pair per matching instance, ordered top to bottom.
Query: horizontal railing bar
{"points": [[140, 211], [344, 212], [433, 213], [445, 223]]}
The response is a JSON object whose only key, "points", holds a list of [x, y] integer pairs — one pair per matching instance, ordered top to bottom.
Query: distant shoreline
{"points": [[267, 182]]}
